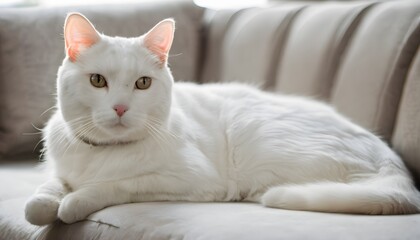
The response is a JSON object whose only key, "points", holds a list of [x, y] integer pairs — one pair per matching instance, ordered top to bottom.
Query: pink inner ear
{"points": [[79, 34], [159, 39]]}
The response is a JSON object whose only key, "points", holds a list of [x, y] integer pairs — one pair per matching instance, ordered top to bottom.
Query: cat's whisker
{"points": [[174, 55], [44, 112], [83, 122], [157, 124], [61, 127], [37, 128], [84, 129], [89, 129], [81, 130], [166, 130], [152, 133], [31, 134], [155, 134], [161, 134], [60, 137], [39, 142], [70, 142], [36, 145]]}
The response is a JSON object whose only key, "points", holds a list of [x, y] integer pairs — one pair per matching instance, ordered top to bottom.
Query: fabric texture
{"points": [[216, 25], [254, 39], [316, 42], [32, 48], [371, 77], [406, 139], [182, 220]]}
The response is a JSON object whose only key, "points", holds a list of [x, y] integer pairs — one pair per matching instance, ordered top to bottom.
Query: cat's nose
{"points": [[120, 109]]}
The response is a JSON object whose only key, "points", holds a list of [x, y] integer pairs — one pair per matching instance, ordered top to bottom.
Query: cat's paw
{"points": [[74, 208], [41, 209]]}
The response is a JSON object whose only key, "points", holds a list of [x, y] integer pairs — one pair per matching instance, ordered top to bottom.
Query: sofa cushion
{"points": [[216, 24], [253, 44], [315, 44], [32, 48], [370, 79], [406, 138], [18, 180], [181, 220], [188, 220]]}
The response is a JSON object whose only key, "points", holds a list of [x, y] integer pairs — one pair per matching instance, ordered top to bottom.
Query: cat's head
{"points": [[114, 89]]}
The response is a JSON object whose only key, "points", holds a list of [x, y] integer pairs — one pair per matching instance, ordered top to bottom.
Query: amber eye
{"points": [[97, 80], [143, 83]]}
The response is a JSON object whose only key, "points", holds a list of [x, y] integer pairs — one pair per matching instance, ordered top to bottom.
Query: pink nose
{"points": [[120, 109]]}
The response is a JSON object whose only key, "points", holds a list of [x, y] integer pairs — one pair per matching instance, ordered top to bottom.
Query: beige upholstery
{"points": [[216, 26], [252, 42], [315, 45], [363, 57], [371, 76], [406, 139]]}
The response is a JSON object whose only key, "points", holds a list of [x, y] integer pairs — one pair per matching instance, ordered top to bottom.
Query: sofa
{"points": [[361, 56]]}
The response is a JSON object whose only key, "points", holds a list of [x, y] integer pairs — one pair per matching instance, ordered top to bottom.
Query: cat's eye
{"points": [[97, 80], [143, 83]]}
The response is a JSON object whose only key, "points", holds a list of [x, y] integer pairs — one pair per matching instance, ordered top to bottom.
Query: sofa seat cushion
{"points": [[183, 220]]}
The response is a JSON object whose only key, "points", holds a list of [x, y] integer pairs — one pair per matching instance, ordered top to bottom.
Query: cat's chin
{"points": [[119, 127], [115, 128], [118, 132]]}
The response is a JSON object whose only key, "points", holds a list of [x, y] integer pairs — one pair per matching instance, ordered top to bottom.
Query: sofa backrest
{"points": [[32, 49], [362, 57]]}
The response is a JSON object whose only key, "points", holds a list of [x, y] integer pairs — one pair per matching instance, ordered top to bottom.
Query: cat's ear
{"points": [[79, 34], [159, 39]]}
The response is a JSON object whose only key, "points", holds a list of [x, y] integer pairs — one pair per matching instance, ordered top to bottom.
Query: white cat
{"points": [[125, 132]]}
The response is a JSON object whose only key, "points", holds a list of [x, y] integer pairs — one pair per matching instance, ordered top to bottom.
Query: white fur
{"points": [[215, 142]]}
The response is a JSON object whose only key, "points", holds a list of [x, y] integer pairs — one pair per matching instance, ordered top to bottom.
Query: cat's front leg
{"points": [[79, 204], [41, 208]]}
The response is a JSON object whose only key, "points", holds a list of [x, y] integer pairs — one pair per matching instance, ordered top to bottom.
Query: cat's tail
{"points": [[391, 195]]}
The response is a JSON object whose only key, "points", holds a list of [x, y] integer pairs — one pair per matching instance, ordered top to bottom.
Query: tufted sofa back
{"points": [[362, 57]]}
